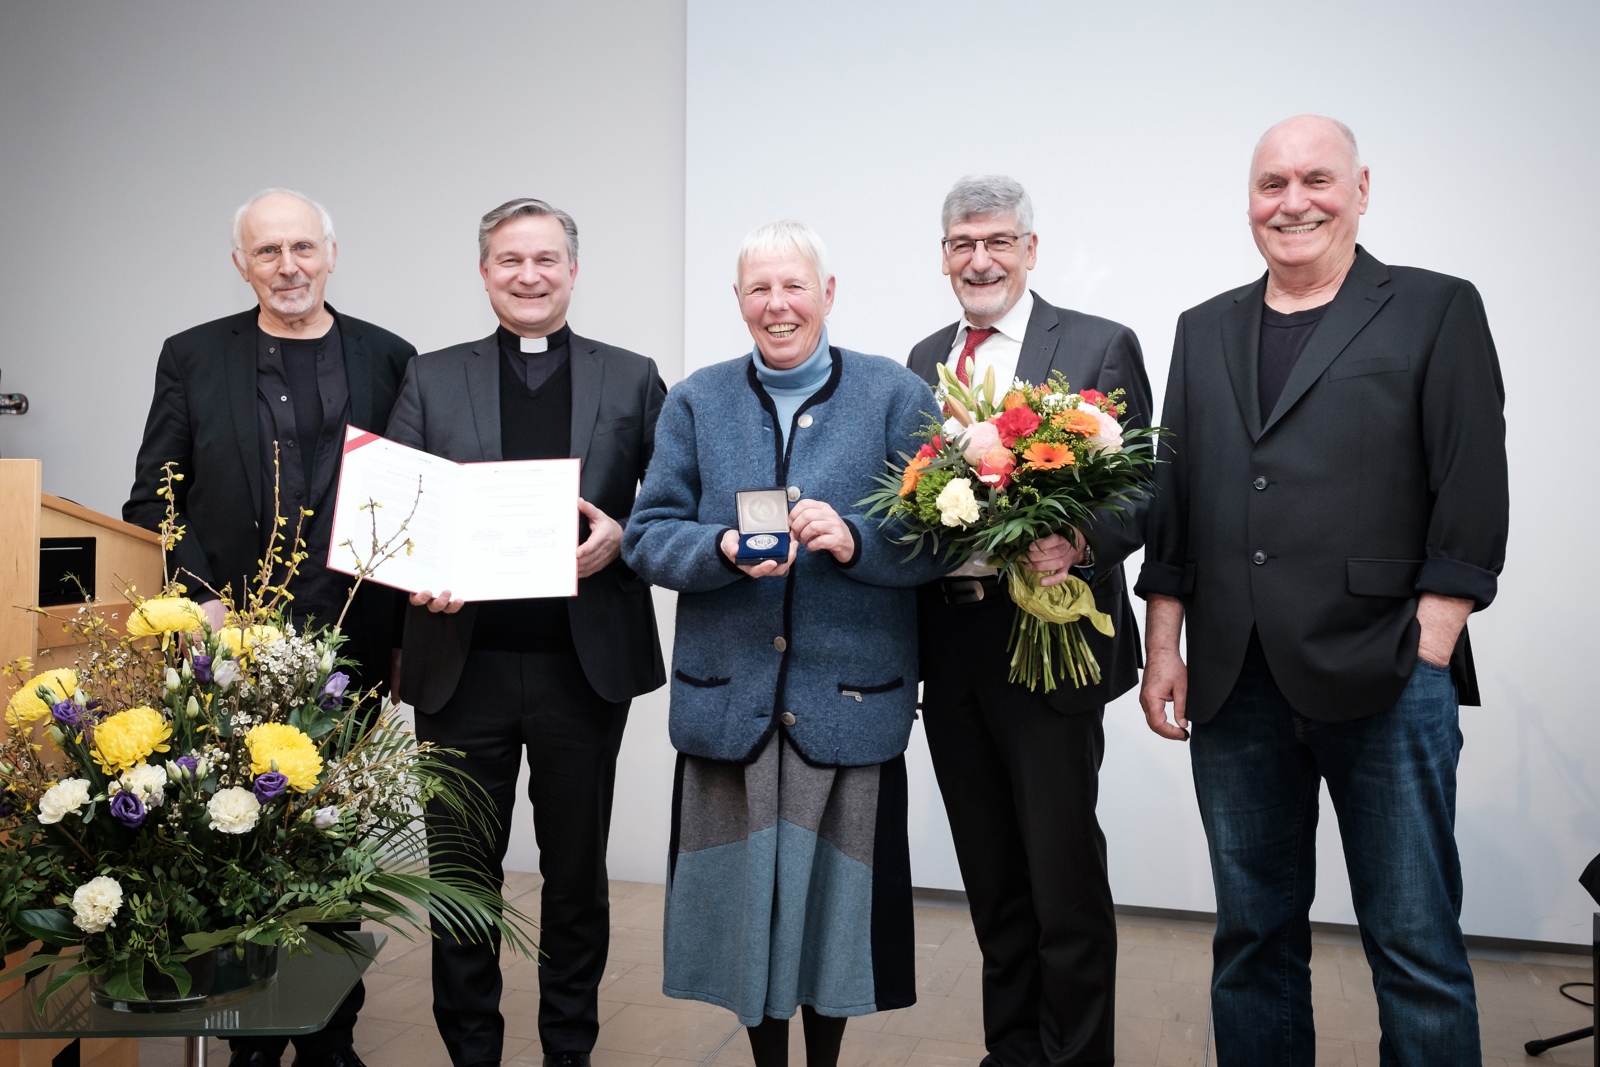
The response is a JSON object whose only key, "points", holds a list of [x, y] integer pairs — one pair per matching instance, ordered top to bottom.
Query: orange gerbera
{"points": [[1014, 399], [1078, 421], [1044, 456], [913, 474]]}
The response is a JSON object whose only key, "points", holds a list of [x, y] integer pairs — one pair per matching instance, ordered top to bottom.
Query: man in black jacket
{"points": [[255, 398], [1335, 506], [552, 677], [1020, 770]]}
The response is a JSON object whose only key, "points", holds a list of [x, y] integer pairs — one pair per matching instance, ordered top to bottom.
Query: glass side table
{"points": [[299, 1000]]}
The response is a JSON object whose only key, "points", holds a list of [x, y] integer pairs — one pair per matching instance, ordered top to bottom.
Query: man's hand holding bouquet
{"points": [[1006, 470]]}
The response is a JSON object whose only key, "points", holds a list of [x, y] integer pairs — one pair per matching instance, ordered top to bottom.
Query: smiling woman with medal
{"points": [[794, 679]]}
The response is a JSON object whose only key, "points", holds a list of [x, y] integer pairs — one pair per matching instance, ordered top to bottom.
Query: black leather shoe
{"points": [[252, 1057], [344, 1057], [566, 1059]]}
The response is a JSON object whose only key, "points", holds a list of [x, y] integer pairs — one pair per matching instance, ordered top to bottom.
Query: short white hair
{"points": [[987, 194], [244, 209], [782, 238]]}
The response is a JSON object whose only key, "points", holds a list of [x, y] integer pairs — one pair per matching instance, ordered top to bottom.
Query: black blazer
{"points": [[1093, 353], [449, 405], [203, 417], [1380, 475]]}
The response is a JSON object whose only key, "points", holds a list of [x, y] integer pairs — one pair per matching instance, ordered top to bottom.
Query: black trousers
{"points": [[540, 704], [1020, 781]]}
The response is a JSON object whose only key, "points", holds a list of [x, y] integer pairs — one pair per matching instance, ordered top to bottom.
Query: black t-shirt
{"points": [[1283, 338]]}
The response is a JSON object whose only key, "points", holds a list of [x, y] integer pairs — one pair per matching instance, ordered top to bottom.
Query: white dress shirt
{"points": [[1001, 351]]}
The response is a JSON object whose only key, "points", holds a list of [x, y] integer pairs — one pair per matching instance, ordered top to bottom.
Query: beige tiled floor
{"points": [[1163, 970]]}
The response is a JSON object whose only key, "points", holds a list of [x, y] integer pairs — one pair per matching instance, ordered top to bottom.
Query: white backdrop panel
{"points": [[1132, 126]]}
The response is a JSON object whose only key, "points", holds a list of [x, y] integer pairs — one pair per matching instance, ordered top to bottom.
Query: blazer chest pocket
{"points": [[1356, 368], [627, 422], [1395, 578], [855, 692]]}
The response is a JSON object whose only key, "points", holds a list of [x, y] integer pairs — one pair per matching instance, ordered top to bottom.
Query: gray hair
{"points": [[1344, 131], [987, 194], [522, 207], [244, 209], [781, 238]]}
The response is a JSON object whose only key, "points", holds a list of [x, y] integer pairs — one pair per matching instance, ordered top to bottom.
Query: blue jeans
{"points": [[1392, 778]]}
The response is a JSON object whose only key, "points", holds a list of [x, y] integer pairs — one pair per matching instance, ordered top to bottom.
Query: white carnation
{"points": [[957, 506], [148, 782], [63, 799], [234, 810], [96, 903]]}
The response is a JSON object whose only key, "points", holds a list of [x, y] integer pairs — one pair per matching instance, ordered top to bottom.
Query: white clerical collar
{"points": [[1014, 323], [535, 344]]}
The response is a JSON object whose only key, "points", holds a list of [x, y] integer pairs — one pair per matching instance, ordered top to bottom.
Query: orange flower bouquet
{"points": [[1001, 472]]}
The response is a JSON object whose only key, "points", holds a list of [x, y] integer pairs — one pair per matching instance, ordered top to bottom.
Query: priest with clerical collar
{"points": [[546, 679]]}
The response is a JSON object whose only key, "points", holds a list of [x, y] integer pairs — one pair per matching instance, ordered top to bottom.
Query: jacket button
{"points": [[804, 422], [1260, 482], [794, 493], [1259, 557], [779, 643], [788, 718]]}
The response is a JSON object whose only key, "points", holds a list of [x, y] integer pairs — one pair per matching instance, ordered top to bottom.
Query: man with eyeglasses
{"points": [[259, 399], [1019, 769]]}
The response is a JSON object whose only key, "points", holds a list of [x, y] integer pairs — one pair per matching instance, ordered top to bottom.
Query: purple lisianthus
{"points": [[202, 668], [333, 689], [67, 713], [189, 765], [270, 786], [8, 806], [128, 809]]}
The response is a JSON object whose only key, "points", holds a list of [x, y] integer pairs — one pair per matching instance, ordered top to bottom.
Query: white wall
{"points": [[1132, 126], [130, 132]]}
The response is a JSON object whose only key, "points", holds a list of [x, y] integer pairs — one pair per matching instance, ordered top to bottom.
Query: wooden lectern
{"points": [[123, 555]]}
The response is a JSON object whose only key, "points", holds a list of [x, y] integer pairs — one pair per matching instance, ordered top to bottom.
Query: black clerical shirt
{"points": [[1283, 338], [535, 368], [303, 404]]}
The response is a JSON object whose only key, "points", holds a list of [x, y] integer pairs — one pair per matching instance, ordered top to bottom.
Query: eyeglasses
{"points": [[1001, 244], [273, 253]]}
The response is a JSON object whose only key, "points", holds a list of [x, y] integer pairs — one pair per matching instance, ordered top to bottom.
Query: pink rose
{"points": [[977, 439], [1109, 439], [995, 467]]}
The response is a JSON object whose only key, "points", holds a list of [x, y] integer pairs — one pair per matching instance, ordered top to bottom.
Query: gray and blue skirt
{"points": [[788, 884]]}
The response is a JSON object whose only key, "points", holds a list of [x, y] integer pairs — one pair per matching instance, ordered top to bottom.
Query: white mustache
{"points": [[290, 283]]}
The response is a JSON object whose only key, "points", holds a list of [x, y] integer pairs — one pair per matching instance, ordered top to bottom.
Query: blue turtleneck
{"points": [[791, 388]]}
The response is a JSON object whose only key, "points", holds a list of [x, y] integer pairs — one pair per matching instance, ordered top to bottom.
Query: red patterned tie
{"points": [[975, 338]]}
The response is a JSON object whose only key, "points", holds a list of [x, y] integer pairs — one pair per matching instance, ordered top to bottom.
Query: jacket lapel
{"points": [[1358, 300], [1038, 344], [1241, 351], [925, 359], [357, 372], [482, 372], [241, 376], [588, 378]]}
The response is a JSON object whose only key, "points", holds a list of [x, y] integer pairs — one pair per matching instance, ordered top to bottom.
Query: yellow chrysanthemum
{"points": [[165, 615], [240, 640], [25, 706], [129, 738], [294, 753]]}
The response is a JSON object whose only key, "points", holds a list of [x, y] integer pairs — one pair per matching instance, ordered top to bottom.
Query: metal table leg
{"points": [[194, 1051]]}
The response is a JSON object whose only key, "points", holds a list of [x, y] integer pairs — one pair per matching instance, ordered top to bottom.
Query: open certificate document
{"points": [[484, 531]]}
